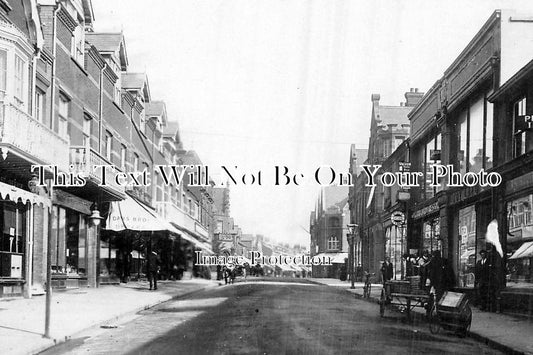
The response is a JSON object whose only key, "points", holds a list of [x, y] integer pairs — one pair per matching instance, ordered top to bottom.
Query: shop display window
{"points": [[467, 246], [519, 269]]}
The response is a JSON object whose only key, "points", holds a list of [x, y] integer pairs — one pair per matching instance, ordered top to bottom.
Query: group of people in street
{"points": [[436, 273]]}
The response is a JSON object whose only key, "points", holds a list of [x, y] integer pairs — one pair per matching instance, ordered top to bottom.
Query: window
{"points": [[77, 44], [3, 73], [19, 79], [64, 107], [40, 108], [87, 130], [474, 135], [522, 138], [108, 145], [123, 157], [431, 157], [135, 162], [432, 239], [333, 243], [467, 246]]}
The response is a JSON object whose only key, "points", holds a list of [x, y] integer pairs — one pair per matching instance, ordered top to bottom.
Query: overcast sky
{"points": [[260, 83]]}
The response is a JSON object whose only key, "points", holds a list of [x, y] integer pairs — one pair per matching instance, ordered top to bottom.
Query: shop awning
{"points": [[12, 193], [129, 214], [190, 238], [525, 251], [335, 258]]}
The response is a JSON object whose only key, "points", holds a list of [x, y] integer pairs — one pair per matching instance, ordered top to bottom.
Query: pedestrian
{"points": [[423, 263], [153, 269], [386, 270], [225, 271], [219, 272], [435, 272], [487, 280]]}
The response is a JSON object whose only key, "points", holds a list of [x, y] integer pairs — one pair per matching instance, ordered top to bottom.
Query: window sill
{"points": [[79, 65], [119, 108]]}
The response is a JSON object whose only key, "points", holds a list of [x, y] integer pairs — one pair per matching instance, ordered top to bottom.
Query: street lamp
{"points": [[352, 228]]}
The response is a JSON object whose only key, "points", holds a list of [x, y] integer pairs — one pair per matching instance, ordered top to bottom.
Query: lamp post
{"points": [[95, 219], [351, 242]]}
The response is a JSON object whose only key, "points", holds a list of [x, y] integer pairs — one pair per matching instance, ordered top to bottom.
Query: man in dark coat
{"points": [[153, 269], [387, 271], [436, 273], [483, 279]]}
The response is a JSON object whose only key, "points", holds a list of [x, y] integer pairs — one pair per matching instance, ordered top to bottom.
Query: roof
{"points": [[104, 42], [133, 80], [155, 108], [393, 115], [171, 128], [332, 195]]}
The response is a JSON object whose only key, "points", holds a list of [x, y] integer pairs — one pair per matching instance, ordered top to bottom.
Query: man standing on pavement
{"points": [[153, 269], [387, 271], [482, 279]]}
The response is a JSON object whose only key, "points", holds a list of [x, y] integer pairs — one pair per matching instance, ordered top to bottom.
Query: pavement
{"points": [[75, 310], [509, 333]]}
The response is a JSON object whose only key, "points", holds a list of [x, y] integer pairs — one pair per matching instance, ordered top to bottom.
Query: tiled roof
{"points": [[104, 42], [133, 80], [393, 115]]}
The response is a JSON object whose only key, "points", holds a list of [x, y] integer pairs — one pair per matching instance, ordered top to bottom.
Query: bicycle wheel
{"points": [[369, 290], [382, 302], [434, 321]]}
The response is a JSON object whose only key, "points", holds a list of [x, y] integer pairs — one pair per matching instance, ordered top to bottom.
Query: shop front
{"points": [[18, 228], [519, 236]]}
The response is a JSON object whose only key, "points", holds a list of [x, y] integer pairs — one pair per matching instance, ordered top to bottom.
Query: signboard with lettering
{"points": [[397, 218]]}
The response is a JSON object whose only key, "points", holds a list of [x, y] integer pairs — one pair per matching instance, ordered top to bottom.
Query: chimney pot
{"points": [[416, 89]]}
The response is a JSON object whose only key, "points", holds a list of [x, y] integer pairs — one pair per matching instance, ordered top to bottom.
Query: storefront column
{"points": [[92, 255]]}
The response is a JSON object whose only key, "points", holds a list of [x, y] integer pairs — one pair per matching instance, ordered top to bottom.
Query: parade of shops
{"points": [[69, 102], [476, 117]]}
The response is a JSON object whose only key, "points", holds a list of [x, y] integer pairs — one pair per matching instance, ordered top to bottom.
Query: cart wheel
{"points": [[382, 302], [434, 321]]}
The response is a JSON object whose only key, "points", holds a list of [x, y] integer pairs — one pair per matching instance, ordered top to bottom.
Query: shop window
{"points": [[12, 237], [58, 239], [432, 239], [520, 241], [333, 243], [75, 244], [394, 246], [467, 246]]}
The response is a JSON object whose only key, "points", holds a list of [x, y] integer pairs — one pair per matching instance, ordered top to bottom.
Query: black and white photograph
{"points": [[266, 177]]}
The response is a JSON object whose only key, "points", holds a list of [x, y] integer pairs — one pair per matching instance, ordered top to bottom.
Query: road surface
{"points": [[269, 318]]}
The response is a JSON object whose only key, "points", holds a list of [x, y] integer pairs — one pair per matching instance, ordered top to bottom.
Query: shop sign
{"points": [[523, 123], [519, 183], [434, 207], [397, 218], [225, 237]]}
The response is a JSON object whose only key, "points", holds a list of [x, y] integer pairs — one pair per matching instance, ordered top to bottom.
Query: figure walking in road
{"points": [[153, 270]]}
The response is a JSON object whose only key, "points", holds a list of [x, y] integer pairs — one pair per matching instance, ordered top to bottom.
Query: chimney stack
{"points": [[413, 97]]}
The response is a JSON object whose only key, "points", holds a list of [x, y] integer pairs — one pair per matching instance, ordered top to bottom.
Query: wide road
{"points": [[269, 318]]}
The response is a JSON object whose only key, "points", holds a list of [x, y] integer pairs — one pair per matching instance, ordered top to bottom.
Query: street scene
{"points": [[266, 177]]}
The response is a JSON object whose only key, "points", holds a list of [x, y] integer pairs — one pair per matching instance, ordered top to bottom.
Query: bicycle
{"points": [[367, 288]]}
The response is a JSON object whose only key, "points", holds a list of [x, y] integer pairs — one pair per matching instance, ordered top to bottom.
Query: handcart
{"points": [[405, 295], [452, 312]]}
